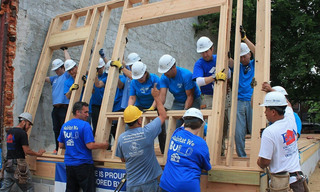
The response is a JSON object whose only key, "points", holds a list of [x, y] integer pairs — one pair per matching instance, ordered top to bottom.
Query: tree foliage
{"points": [[295, 44]]}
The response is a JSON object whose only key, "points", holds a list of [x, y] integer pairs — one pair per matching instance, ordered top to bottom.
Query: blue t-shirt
{"points": [[203, 68], [246, 75], [57, 82], [67, 84], [179, 84], [142, 91], [126, 93], [97, 95], [118, 96], [298, 122], [75, 134], [136, 146], [188, 154]]}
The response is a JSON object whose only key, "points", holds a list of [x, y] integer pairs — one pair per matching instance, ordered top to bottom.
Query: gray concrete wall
{"points": [[150, 42]]}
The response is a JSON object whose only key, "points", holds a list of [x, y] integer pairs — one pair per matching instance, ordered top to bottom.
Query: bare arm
{"points": [[251, 46], [66, 54], [127, 72], [47, 79], [98, 83], [120, 84], [68, 94], [163, 94], [190, 98], [132, 100], [162, 112], [94, 145], [62, 146], [28, 151], [122, 159], [263, 163]]}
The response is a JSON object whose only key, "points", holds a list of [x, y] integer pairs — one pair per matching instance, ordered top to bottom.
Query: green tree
{"points": [[295, 44]]}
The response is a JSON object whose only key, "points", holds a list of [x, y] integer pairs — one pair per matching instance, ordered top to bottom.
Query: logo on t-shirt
{"points": [[288, 137]]}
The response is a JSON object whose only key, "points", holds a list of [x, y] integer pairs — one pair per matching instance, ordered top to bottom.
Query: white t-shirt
{"points": [[279, 144]]}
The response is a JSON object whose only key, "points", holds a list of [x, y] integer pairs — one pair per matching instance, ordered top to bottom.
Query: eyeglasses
{"points": [[247, 69]]}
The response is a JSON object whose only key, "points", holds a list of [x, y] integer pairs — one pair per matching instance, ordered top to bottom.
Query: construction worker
{"points": [[72, 68], [204, 70], [204, 73], [178, 80], [100, 84], [266, 87], [97, 94], [59, 100], [244, 108], [77, 138], [136, 147], [279, 148], [188, 154], [16, 167]]}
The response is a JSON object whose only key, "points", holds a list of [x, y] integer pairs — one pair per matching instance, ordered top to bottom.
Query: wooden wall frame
{"points": [[137, 13]]}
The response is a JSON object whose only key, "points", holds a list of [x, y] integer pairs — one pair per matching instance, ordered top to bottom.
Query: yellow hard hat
{"points": [[131, 113]]}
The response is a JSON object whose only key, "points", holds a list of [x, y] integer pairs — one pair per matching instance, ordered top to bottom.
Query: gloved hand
{"points": [[243, 33], [64, 48], [101, 53], [117, 64], [221, 76], [84, 79], [74, 87], [150, 109]]}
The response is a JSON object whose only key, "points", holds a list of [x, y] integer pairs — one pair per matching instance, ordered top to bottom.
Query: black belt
{"points": [[60, 105], [296, 173]]}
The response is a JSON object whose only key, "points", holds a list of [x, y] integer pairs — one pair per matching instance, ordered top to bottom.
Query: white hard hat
{"points": [[203, 44], [244, 49], [132, 58], [101, 63], [165, 63], [56, 64], [69, 64], [107, 66], [138, 70], [280, 90], [274, 98], [193, 112], [26, 116]]}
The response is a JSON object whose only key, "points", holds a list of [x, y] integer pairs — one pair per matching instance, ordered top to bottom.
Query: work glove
{"points": [[243, 33], [127, 40], [64, 48], [101, 53], [117, 64], [221, 76], [84, 79], [74, 87], [150, 109]]}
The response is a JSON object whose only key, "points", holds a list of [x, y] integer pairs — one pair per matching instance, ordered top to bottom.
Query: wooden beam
{"points": [[168, 10], [70, 38], [262, 74], [235, 83], [171, 128], [120, 129], [308, 152], [236, 177]]}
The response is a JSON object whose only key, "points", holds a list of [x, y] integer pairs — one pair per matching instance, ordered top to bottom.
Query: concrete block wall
{"points": [[150, 42]]}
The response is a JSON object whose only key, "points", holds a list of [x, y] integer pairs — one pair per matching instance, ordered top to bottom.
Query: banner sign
{"points": [[107, 179]]}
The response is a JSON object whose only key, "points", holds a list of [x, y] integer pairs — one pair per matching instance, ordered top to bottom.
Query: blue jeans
{"points": [[180, 106], [244, 123], [9, 180], [151, 186]]}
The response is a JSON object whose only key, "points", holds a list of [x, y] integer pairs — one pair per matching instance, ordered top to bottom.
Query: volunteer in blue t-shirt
{"points": [[204, 70], [178, 80], [100, 83], [59, 100], [244, 108], [77, 138], [135, 147], [188, 155]]}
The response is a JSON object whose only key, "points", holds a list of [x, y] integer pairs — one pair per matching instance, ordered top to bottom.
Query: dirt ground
{"points": [[314, 180]]}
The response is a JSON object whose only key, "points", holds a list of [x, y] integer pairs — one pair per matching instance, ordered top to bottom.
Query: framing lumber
{"points": [[262, 74], [235, 81], [236, 177]]}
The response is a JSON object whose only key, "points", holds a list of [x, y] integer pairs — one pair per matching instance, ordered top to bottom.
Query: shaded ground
{"points": [[314, 180]]}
